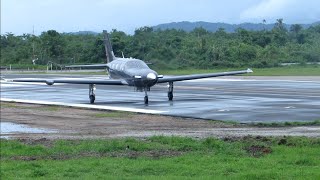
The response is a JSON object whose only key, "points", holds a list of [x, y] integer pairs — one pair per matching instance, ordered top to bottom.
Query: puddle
{"points": [[12, 128]]}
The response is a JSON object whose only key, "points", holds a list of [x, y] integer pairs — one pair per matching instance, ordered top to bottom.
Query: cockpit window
{"points": [[136, 64]]}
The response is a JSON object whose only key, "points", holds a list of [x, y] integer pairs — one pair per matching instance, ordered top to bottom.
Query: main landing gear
{"points": [[170, 91], [92, 96]]}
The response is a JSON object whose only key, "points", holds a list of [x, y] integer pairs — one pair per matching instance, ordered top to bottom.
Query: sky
{"points": [[22, 16]]}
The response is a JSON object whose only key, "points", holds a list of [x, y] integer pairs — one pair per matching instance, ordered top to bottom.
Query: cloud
{"points": [[292, 11]]}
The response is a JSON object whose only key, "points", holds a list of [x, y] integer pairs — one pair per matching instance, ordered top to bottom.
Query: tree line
{"points": [[170, 49]]}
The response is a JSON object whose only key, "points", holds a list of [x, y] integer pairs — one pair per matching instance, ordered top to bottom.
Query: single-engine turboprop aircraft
{"points": [[129, 72]]}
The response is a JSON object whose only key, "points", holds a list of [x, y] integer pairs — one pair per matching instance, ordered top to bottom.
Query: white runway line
{"points": [[89, 106]]}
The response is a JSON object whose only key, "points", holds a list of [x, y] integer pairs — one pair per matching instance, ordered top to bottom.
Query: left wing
{"points": [[200, 76], [75, 81]]}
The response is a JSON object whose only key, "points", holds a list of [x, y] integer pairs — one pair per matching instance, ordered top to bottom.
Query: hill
{"points": [[212, 27]]}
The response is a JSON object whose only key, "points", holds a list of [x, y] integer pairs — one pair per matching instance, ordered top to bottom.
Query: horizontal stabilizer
{"points": [[92, 66]]}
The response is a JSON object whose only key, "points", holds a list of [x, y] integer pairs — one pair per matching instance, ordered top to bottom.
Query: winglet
{"points": [[249, 70]]}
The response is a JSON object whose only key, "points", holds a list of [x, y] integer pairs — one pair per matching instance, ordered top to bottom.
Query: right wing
{"points": [[201, 76], [72, 81]]}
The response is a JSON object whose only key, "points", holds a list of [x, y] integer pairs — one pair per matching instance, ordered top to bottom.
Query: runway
{"points": [[240, 99]]}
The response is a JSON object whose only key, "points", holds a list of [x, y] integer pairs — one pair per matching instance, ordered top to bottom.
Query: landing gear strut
{"points": [[170, 91], [92, 96], [146, 101]]}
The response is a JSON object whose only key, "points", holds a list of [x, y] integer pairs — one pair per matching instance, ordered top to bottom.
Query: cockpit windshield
{"points": [[136, 64]]}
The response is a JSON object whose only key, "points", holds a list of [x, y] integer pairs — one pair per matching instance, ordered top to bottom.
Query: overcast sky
{"points": [[19, 16]]}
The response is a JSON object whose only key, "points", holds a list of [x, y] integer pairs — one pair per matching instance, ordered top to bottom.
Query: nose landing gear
{"points": [[92, 96], [146, 100]]}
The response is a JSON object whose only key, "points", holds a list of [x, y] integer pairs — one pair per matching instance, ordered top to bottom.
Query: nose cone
{"points": [[151, 76]]}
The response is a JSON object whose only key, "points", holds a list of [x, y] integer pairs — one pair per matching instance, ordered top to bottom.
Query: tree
{"points": [[295, 28], [53, 44]]}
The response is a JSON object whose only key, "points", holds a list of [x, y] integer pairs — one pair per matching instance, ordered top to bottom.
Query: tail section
{"points": [[108, 47]]}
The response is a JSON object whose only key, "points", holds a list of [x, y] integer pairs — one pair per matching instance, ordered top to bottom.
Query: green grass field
{"points": [[277, 71], [162, 158]]}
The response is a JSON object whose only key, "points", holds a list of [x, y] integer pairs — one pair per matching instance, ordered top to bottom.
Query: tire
{"points": [[170, 96], [92, 99], [146, 100]]}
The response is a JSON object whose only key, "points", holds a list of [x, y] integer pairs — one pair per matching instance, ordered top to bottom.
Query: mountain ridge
{"points": [[212, 27]]}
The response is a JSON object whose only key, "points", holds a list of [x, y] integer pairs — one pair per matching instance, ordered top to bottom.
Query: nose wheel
{"points": [[92, 96], [92, 99]]}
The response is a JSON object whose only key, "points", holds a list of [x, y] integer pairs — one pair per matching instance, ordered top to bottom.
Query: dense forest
{"points": [[170, 49]]}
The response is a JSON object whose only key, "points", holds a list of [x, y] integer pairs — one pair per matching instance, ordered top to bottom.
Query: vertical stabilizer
{"points": [[108, 47]]}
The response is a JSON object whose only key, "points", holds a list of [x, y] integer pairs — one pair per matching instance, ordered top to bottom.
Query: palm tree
{"points": [[264, 24], [280, 25]]}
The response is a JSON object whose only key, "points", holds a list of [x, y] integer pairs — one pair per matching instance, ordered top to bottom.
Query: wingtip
{"points": [[249, 70]]}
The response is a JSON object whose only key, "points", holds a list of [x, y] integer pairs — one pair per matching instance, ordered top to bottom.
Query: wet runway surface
{"points": [[240, 99]]}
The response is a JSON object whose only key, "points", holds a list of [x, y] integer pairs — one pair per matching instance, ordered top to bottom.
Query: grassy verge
{"points": [[278, 71], [26, 106], [114, 114], [285, 124], [162, 158]]}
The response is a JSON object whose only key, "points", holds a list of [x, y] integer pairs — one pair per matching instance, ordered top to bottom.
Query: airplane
{"points": [[129, 72]]}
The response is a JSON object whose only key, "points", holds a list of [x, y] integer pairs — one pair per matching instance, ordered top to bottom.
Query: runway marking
{"points": [[89, 106], [289, 107], [223, 110]]}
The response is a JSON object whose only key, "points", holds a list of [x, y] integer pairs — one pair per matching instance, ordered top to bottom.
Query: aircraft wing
{"points": [[87, 66], [200, 76], [73, 81]]}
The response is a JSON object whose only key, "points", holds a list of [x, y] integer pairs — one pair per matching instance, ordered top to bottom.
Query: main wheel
{"points": [[170, 96], [92, 98], [146, 101]]}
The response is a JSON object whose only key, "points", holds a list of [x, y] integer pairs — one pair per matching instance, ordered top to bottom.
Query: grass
{"points": [[307, 70], [277, 71], [287, 71], [8, 104], [22, 106], [49, 108], [114, 114], [284, 124], [162, 158]]}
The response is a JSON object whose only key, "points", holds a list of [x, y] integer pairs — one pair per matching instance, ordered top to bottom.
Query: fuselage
{"points": [[134, 71]]}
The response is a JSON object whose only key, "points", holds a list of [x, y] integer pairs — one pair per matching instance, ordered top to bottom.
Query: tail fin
{"points": [[108, 47]]}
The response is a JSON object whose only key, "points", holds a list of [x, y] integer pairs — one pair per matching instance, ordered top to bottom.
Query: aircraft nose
{"points": [[151, 76]]}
